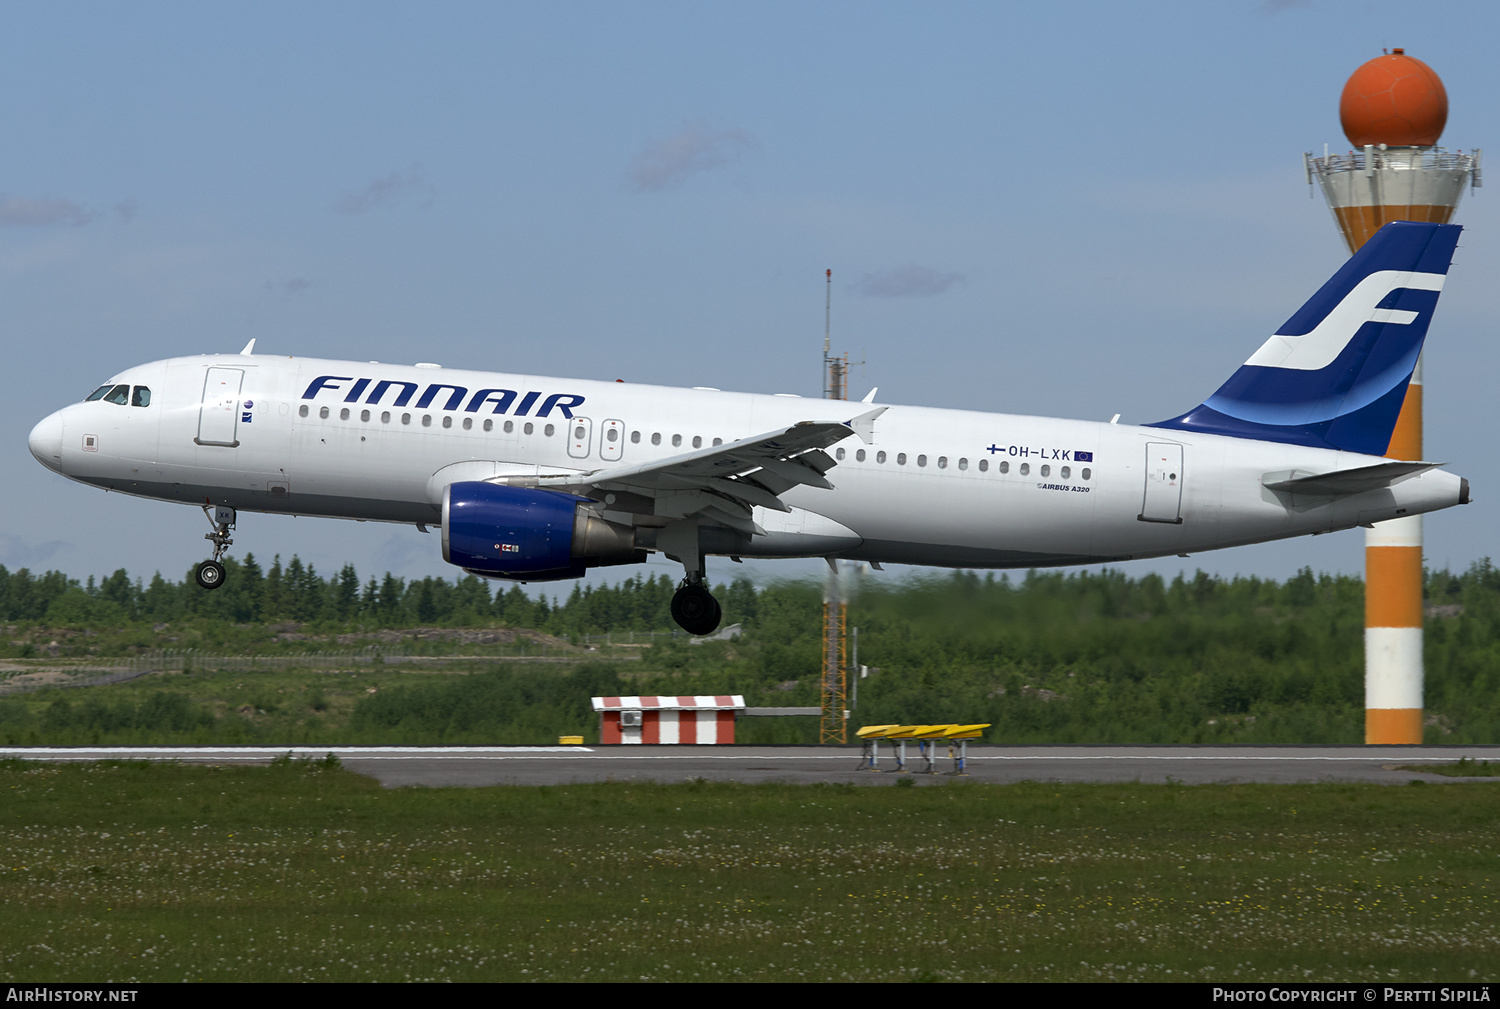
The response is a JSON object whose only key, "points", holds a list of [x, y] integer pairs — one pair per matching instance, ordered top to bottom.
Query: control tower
{"points": [[1393, 110]]}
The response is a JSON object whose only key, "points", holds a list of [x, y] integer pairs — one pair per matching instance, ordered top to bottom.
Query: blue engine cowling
{"points": [[528, 534]]}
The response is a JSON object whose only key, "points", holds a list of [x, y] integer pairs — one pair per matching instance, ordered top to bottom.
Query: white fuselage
{"points": [[941, 487]]}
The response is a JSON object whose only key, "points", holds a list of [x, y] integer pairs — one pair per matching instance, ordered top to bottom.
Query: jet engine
{"points": [[529, 534]]}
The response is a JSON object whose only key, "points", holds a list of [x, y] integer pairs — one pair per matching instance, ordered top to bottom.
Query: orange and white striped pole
{"points": [[1393, 110], [1394, 673]]}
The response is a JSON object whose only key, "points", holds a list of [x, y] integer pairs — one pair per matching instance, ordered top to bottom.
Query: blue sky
{"points": [[1068, 209]]}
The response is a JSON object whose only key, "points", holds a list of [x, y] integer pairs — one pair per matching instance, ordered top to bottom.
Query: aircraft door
{"points": [[219, 417], [580, 437], [611, 440], [1163, 501]]}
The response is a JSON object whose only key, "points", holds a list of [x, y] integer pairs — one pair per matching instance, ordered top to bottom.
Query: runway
{"points": [[398, 766]]}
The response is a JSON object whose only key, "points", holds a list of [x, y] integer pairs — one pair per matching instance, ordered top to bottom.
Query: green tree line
{"points": [[296, 591], [1044, 656]]}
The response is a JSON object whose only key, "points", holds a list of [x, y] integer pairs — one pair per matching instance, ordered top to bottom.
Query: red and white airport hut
{"points": [[684, 718]]}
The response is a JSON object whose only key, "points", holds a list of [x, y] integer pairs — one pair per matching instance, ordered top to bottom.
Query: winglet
{"points": [[248, 348], [870, 396], [864, 424]]}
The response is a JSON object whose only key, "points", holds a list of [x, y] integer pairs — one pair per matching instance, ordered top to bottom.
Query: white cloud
{"points": [[666, 164], [388, 189], [24, 212], [906, 282], [295, 285], [21, 553]]}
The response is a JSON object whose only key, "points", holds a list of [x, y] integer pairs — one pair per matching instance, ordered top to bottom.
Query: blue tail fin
{"points": [[1335, 375]]}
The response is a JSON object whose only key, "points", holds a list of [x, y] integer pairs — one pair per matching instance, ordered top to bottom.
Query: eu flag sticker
{"points": [[1083, 456]]}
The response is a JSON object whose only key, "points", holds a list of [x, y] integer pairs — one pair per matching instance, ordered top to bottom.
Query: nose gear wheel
{"points": [[210, 574]]}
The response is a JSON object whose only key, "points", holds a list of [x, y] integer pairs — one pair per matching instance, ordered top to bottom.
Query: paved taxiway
{"points": [[395, 766]]}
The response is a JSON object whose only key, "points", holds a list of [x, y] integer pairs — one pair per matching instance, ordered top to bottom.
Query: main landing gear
{"points": [[210, 574], [694, 607]]}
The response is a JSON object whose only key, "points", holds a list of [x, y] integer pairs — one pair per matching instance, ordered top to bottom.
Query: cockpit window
{"points": [[99, 392], [119, 394], [141, 396]]}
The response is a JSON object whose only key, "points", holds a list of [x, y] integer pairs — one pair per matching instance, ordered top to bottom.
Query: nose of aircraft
{"points": [[46, 442]]}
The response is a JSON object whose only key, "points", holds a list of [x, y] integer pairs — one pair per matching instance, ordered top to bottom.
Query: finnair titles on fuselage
{"points": [[539, 478]]}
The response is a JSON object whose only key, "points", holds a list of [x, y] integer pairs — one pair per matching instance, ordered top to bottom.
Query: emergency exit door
{"points": [[218, 419], [1163, 500]]}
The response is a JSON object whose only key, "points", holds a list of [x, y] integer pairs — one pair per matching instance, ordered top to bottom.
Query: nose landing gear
{"points": [[210, 574]]}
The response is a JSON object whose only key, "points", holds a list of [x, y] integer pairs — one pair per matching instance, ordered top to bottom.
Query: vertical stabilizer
{"points": [[1334, 376]]}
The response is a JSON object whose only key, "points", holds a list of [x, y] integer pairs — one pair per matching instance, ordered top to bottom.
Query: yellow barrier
{"points": [[923, 731], [926, 737]]}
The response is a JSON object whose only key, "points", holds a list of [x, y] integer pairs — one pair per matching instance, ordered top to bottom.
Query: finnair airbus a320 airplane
{"points": [[536, 479]]}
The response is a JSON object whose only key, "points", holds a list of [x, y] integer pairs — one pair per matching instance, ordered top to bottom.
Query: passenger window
{"points": [[98, 393], [118, 395], [141, 396], [302, 410], [323, 413], [344, 413], [364, 416], [385, 416], [406, 418], [426, 420], [447, 422], [468, 423], [489, 425], [510, 426], [528, 428], [548, 430], [578, 434], [612, 435], [635, 437], [656, 439], [677, 441], [697, 441], [839, 455], [859, 456], [880, 457], [900, 458], [921, 460], [942, 462], [963, 464], [984, 465], [1004, 466], [1025, 468], [1046, 470], [1066, 472], [1087, 473]]}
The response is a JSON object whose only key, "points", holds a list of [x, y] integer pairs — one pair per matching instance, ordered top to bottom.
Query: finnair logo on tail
{"points": [[1319, 348]]}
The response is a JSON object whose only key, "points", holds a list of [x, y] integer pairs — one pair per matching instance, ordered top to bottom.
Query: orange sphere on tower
{"points": [[1394, 100]]}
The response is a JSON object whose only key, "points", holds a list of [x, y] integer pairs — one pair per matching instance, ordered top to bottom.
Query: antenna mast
{"points": [[836, 369], [833, 698]]}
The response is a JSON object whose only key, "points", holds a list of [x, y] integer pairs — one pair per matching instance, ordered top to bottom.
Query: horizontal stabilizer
{"points": [[1346, 481]]}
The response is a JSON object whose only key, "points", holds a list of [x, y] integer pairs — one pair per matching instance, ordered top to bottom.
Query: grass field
{"points": [[1465, 768], [304, 871]]}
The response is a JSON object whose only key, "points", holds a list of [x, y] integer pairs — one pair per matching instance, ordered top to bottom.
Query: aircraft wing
{"points": [[725, 482]]}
